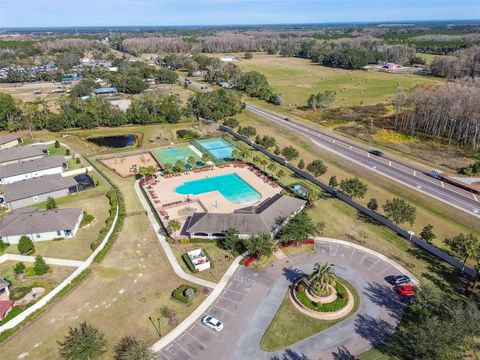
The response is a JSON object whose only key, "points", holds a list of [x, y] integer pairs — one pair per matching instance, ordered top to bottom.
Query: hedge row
{"points": [[189, 263], [179, 293], [337, 304]]}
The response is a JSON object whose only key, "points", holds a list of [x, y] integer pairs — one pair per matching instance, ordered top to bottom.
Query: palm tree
{"points": [[236, 154], [205, 158], [263, 163], [272, 168], [280, 174], [173, 226], [322, 277]]}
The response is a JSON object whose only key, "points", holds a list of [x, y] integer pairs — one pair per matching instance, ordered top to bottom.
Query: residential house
{"points": [[10, 141], [22, 153], [30, 169], [27, 192], [266, 218], [40, 225], [4, 289]]}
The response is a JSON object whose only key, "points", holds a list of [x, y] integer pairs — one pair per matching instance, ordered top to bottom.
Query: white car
{"points": [[212, 323]]}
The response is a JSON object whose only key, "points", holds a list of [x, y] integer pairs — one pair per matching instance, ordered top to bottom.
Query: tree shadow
{"points": [[367, 219], [292, 274], [383, 295], [375, 331], [289, 354], [342, 354]]}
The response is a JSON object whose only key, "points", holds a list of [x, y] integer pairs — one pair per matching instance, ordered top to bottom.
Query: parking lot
{"points": [[251, 298], [231, 308]]}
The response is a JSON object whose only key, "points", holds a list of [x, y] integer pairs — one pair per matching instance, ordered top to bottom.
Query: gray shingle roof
{"points": [[7, 138], [22, 152], [29, 166], [37, 186], [264, 218], [30, 221]]}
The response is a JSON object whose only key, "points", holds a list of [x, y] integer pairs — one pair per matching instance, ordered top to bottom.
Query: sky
{"points": [[49, 13]]}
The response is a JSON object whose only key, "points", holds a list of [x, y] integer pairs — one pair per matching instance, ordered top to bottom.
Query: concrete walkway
{"points": [[166, 247], [50, 261]]}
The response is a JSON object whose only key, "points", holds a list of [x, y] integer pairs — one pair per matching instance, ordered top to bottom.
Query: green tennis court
{"points": [[174, 154]]}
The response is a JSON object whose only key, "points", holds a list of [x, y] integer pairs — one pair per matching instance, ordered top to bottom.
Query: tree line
{"points": [[450, 111]]}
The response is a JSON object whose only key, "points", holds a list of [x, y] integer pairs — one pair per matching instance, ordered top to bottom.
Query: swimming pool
{"points": [[218, 147], [231, 186]]}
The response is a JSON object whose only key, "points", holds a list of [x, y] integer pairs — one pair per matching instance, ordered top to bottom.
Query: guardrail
{"points": [[374, 215]]}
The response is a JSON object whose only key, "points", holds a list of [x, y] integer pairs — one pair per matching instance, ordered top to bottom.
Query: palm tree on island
{"points": [[322, 278]]}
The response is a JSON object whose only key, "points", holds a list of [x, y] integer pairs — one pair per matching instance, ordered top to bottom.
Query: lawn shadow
{"points": [[292, 274], [384, 296], [375, 331], [289, 354], [342, 354]]}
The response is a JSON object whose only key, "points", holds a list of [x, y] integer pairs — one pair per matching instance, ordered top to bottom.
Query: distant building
{"points": [[226, 58], [390, 66], [69, 79], [226, 85], [106, 90], [9, 141], [22, 153], [30, 169], [27, 192], [266, 218], [40, 225]]}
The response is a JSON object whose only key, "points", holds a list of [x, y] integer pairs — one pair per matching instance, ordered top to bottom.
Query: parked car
{"points": [[204, 88], [376, 152], [398, 279], [405, 290], [212, 323]]}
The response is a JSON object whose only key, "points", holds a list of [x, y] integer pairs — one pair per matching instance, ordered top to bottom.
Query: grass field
{"points": [[296, 79], [447, 221], [132, 282], [290, 326]]}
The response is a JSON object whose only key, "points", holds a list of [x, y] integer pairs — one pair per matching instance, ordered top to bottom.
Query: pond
{"points": [[114, 141]]}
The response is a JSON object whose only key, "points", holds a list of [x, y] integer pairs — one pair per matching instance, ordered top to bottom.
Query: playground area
{"points": [[131, 164]]}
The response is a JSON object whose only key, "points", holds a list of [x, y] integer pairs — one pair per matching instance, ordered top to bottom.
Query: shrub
{"points": [[187, 134], [57, 144], [67, 152], [77, 160], [51, 203], [87, 219], [3, 245], [25, 245], [189, 263], [40, 267], [19, 268], [301, 287], [18, 293], [184, 293], [337, 304]]}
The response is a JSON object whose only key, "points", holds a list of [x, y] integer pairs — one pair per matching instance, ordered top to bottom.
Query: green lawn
{"points": [[296, 79], [292, 250], [290, 326]]}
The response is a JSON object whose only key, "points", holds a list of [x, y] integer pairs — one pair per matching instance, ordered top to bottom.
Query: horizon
{"points": [[208, 13]]}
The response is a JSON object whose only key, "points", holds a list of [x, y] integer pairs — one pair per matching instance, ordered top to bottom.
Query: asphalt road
{"points": [[395, 169], [252, 298]]}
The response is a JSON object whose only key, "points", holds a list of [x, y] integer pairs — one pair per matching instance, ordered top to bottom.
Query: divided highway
{"points": [[395, 169]]}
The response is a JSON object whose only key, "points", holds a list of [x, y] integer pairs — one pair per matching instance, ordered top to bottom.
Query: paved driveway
{"points": [[251, 299]]}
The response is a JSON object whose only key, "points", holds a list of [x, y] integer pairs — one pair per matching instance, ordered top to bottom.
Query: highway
{"points": [[395, 169]]}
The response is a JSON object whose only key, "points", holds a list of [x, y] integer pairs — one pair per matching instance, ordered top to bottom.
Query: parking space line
{"points": [[353, 252], [364, 257], [371, 266], [238, 292], [223, 297], [231, 312], [208, 329], [201, 343], [169, 346], [184, 349], [161, 352]]}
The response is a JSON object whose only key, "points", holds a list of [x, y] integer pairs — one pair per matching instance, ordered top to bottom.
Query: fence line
{"points": [[374, 215]]}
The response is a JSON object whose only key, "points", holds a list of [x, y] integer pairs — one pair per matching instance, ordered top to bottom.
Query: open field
{"points": [[296, 79], [24, 91], [447, 221], [132, 282]]}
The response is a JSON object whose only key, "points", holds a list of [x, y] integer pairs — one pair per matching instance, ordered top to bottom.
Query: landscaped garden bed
{"points": [[184, 293]]}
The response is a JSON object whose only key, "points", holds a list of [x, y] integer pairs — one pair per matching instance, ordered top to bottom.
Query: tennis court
{"points": [[219, 148], [174, 154]]}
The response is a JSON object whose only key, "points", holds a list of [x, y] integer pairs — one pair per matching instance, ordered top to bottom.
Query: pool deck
{"points": [[213, 201]]}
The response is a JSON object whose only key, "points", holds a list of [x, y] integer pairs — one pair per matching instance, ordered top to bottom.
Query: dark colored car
{"points": [[376, 152], [398, 279], [405, 290]]}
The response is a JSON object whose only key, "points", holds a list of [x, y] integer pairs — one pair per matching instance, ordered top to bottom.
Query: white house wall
{"points": [[31, 175], [37, 199]]}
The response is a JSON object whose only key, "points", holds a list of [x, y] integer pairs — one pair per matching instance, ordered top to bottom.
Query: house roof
{"points": [[8, 138], [22, 152], [29, 166], [37, 186], [264, 218], [30, 221], [4, 283], [5, 305]]}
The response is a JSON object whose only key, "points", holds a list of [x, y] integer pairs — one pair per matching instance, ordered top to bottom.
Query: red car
{"points": [[405, 290]]}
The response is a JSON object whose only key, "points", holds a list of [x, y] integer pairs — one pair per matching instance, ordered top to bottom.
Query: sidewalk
{"points": [[166, 247], [50, 261]]}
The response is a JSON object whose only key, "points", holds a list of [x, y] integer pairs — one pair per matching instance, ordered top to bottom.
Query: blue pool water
{"points": [[219, 148], [231, 186]]}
